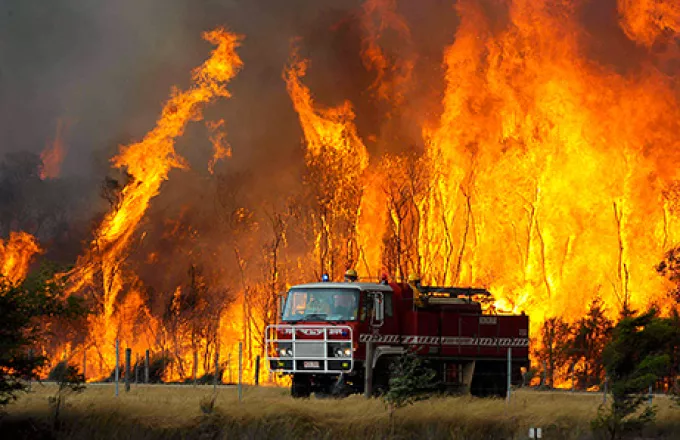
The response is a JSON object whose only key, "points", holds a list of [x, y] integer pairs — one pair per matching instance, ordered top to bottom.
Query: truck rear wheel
{"points": [[489, 380], [301, 387]]}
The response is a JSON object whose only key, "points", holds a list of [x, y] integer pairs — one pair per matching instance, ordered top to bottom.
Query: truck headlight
{"points": [[284, 349], [342, 351]]}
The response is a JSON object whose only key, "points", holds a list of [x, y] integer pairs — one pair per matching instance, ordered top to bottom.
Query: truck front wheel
{"points": [[301, 387]]}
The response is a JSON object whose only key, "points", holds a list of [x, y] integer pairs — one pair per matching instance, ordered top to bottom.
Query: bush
{"points": [[23, 310]]}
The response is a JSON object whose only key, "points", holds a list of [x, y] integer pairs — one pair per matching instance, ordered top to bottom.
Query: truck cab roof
{"points": [[374, 287]]}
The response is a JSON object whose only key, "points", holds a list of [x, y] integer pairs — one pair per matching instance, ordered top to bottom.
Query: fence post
{"points": [[128, 359], [85, 364], [117, 364], [146, 367], [195, 367], [229, 367], [136, 368], [217, 370], [257, 370], [240, 371], [368, 373], [30, 374], [509, 374], [544, 375], [604, 395], [651, 396]]}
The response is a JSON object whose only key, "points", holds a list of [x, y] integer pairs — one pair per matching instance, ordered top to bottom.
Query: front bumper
{"points": [[309, 349]]}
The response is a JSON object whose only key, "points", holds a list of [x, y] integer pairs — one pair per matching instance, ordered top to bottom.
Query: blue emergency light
{"points": [[325, 278]]}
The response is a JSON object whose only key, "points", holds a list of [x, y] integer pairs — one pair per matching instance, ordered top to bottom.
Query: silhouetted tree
{"points": [[669, 268], [24, 310], [591, 334], [555, 349]]}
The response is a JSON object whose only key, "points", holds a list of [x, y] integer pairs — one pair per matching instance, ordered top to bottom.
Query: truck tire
{"points": [[381, 376], [489, 380], [301, 387]]}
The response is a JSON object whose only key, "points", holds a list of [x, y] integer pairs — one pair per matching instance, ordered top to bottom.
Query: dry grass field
{"points": [[155, 412]]}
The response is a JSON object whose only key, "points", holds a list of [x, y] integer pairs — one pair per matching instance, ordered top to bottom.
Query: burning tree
{"points": [[336, 158], [405, 186], [102, 270]]}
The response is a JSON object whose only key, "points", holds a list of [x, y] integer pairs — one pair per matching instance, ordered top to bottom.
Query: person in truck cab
{"points": [[317, 305], [345, 306]]}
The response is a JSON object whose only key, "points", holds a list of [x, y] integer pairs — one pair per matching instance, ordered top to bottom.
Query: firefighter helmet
{"points": [[351, 275], [413, 278]]}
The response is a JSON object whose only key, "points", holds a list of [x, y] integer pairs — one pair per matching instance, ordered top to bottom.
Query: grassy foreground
{"points": [[155, 412]]}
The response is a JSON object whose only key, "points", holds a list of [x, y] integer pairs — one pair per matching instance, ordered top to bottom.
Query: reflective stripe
{"points": [[446, 340]]}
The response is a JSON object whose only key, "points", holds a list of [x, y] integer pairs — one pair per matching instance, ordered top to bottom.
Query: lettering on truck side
{"points": [[446, 340]]}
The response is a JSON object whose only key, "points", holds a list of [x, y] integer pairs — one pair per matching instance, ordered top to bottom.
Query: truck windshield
{"points": [[321, 304]]}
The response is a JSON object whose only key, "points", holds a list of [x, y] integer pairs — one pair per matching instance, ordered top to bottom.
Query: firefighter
{"points": [[351, 276], [414, 282], [318, 305], [345, 305]]}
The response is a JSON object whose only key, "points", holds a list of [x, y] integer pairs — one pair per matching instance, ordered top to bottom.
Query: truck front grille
{"points": [[313, 348], [310, 349]]}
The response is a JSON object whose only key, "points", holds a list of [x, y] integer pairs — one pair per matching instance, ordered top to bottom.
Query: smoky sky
{"points": [[106, 67]]}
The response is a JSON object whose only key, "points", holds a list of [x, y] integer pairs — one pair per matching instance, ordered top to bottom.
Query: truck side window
{"points": [[367, 307], [389, 310]]}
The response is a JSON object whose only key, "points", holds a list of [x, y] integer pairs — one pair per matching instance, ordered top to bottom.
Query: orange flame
{"points": [[645, 21], [327, 130], [218, 138], [53, 155], [339, 157], [148, 163], [541, 171], [546, 176], [16, 254]]}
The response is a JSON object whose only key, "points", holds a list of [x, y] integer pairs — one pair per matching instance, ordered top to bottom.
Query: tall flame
{"points": [[337, 157], [148, 163], [545, 167], [547, 177], [16, 254]]}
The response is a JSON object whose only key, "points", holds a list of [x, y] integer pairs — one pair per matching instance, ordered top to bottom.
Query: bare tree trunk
{"points": [[461, 251], [544, 269], [622, 272]]}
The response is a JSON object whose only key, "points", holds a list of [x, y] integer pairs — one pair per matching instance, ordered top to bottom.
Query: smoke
{"points": [[107, 67]]}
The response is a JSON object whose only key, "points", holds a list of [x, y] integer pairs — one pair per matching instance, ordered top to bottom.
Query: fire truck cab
{"points": [[325, 327]]}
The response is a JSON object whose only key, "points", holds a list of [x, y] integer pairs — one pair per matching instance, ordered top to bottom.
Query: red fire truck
{"points": [[328, 330]]}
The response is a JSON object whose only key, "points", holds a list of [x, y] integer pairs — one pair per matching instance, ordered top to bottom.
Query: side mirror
{"points": [[378, 308]]}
